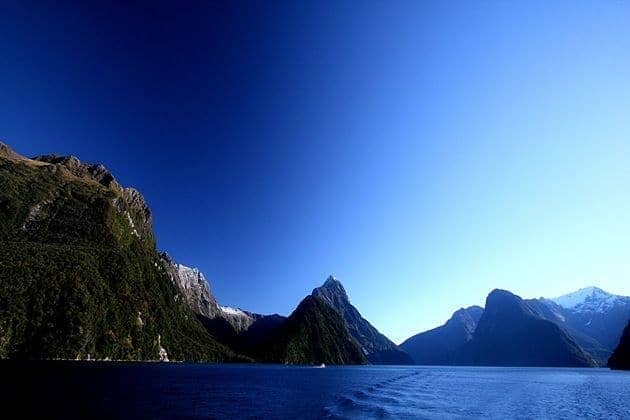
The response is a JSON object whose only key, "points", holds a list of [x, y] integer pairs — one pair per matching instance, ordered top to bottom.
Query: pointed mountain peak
{"points": [[332, 281], [332, 288], [332, 292], [378, 348]]}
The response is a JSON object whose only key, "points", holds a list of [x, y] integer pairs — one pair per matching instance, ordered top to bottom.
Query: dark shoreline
{"points": [[153, 363]]}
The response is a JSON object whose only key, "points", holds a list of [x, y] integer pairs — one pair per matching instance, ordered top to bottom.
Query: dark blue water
{"points": [[65, 389]]}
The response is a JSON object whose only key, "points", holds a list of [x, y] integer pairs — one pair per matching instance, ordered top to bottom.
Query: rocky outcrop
{"points": [[7, 153], [96, 172], [193, 286], [239, 319], [222, 321], [378, 348]]}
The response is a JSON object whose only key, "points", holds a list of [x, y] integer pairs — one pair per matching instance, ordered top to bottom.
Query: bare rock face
{"points": [[8, 153], [96, 172], [139, 207], [37, 212], [193, 285], [239, 319]]}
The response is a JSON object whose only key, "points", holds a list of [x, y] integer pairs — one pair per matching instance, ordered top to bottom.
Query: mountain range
{"points": [[81, 278], [578, 329], [511, 333]]}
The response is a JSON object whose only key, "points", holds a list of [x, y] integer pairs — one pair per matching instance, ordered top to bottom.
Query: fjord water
{"points": [[151, 390]]}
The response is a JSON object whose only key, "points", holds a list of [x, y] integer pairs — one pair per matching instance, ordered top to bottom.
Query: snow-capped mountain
{"points": [[590, 299], [232, 311], [594, 317], [239, 319], [510, 332]]}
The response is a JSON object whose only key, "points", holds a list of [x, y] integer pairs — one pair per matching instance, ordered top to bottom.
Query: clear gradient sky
{"points": [[423, 152]]}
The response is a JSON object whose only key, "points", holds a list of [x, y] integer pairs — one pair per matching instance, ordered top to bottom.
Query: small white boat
{"points": [[323, 365]]}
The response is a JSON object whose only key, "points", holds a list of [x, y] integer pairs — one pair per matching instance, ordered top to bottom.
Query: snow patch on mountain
{"points": [[588, 299], [232, 311]]}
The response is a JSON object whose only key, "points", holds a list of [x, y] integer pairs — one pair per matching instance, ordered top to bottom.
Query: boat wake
{"points": [[383, 399]]}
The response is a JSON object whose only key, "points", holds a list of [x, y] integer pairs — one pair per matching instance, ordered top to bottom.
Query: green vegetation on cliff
{"points": [[79, 272], [314, 333]]}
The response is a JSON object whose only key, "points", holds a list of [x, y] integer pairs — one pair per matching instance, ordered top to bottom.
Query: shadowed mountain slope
{"points": [[511, 333], [440, 345], [378, 348]]}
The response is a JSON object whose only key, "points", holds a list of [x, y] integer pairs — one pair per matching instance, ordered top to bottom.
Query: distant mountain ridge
{"points": [[80, 277], [550, 311], [590, 317], [594, 317], [440, 346]]}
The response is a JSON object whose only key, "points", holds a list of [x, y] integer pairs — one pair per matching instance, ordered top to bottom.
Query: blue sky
{"points": [[423, 152]]}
